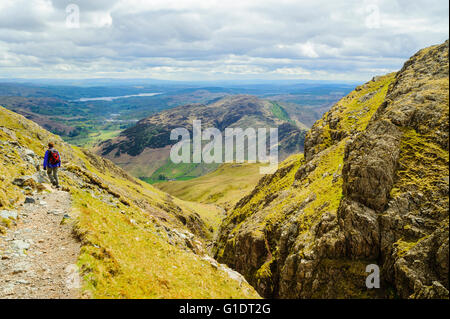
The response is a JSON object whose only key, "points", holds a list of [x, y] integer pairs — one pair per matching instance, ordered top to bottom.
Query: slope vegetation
{"points": [[224, 186], [136, 241]]}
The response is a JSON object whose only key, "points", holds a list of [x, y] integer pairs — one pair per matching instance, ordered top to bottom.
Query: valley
{"points": [[80, 111], [149, 139], [224, 186]]}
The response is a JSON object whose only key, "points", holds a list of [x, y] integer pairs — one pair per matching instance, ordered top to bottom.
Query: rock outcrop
{"points": [[371, 188]]}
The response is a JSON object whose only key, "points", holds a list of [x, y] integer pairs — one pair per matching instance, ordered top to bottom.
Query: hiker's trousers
{"points": [[52, 173]]}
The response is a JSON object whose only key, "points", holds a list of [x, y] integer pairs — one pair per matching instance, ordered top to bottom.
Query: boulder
{"points": [[26, 181], [30, 200]]}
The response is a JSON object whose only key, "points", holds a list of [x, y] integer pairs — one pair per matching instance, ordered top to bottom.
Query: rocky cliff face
{"points": [[371, 188]]}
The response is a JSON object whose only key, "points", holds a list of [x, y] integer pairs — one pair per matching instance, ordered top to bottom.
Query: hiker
{"points": [[52, 161]]}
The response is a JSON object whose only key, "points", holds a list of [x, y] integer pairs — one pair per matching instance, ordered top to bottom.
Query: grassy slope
{"points": [[279, 112], [354, 113], [93, 138], [180, 171], [223, 187], [120, 220]]}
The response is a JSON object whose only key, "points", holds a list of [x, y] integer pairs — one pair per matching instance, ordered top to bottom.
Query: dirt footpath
{"points": [[38, 257]]}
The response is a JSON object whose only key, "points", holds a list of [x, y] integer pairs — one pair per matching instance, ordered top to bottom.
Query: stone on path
{"points": [[30, 200], [20, 244]]}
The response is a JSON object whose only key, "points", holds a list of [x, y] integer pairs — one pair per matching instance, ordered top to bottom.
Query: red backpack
{"points": [[53, 157]]}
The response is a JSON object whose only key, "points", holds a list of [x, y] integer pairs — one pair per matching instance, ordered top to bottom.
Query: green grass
{"points": [[279, 112], [354, 113], [357, 113], [90, 139], [180, 171], [224, 186], [326, 192], [212, 215], [127, 255], [122, 258]]}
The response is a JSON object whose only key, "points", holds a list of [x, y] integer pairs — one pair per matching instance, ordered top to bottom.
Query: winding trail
{"points": [[38, 256]]}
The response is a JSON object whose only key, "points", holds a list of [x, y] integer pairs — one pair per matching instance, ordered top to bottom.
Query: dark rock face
{"points": [[374, 157], [370, 163], [372, 188]]}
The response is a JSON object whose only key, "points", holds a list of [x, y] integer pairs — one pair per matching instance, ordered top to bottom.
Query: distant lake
{"points": [[111, 98]]}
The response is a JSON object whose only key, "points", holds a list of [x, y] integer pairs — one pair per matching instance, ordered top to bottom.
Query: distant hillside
{"points": [[56, 105], [149, 140], [224, 187], [371, 188], [137, 241]]}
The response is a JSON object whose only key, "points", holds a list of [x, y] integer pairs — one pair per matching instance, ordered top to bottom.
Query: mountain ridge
{"points": [[150, 138], [372, 188]]}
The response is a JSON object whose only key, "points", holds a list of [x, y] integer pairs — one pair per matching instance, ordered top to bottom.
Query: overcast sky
{"points": [[212, 40]]}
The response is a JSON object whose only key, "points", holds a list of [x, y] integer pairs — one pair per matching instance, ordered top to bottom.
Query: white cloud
{"points": [[194, 39], [291, 71]]}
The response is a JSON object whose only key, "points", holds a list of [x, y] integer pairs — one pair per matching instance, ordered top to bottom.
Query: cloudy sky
{"points": [[211, 40]]}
